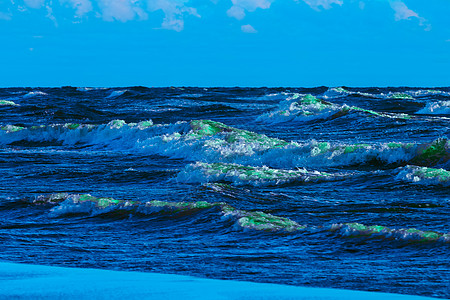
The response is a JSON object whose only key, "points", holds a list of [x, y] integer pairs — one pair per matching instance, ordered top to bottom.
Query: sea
{"points": [[333, 187]]}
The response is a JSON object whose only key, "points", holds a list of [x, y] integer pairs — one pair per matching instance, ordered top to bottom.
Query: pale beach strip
{"points": [[24, 281]]}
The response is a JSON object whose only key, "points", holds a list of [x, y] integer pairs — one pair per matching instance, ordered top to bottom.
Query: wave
{"points": [[84, 89], [87, 89], [336, 92], [340, 92], [426, 93], [34, 94], [116, 94], [20, 95], [276, 96], [400, 96], [8, 103], [300, 107], [308, 107], [436, 108], [11, 128], [115, 133], [210, 141], [215, 142], [327, 154], [430, 154], [424, 175], [257, 176], [67, 204], [75, 204], [382, 232]]}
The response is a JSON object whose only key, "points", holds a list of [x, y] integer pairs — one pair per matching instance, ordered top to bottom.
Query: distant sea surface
{"points": [[322, 187]]}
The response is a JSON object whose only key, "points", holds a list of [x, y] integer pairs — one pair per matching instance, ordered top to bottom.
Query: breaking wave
{"points": [[34, 94], [116, 94], [8, 103], [307, 107], [436, 108], [210, 141], [257, 176], [424, 176], [65, 204], [382, 232]]}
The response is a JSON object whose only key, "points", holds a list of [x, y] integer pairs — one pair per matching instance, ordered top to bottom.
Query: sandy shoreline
{"points": [[23, 281]]}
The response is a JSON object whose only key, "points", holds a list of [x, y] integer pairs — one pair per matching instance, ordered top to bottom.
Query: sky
{"points": [[286, 43]]}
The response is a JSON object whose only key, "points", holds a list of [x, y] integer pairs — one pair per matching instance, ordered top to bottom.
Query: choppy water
{"points": [[325, 187]]}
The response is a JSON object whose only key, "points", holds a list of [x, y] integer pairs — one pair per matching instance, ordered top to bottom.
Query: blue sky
{"points": [[225, 42]]}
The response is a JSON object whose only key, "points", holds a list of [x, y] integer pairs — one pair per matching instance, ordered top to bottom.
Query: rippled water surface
{"points": [[324, 187]]}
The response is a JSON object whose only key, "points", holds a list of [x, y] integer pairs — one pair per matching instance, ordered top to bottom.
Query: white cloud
{"points": [[35, 3], [326, 4], [362, 5], [81, 7], [239, 7], [121, 10], [174, 11], [236, 12], [402, 12], [50, 15], [5, 16], [248, 29]]}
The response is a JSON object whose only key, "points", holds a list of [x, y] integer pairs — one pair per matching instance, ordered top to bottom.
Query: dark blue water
{"points": [[344, 188]]}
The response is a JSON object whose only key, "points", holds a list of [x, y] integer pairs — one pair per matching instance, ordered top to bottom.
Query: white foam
{"points": [[84, 89], [87, 89], [336, 92], [339, 92], [34, 93], [422, 93], [115, 94], [277, 96], [8, 103], [297, 108], [311, 108], [436, 108], [116, 134], [180, 141], [241, 175], [424, 176], [70, 207], [405, 234]]}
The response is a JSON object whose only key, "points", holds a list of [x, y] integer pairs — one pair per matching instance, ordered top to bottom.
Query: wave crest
{"points": [[424, 175], [257, 176], [66, 204]]}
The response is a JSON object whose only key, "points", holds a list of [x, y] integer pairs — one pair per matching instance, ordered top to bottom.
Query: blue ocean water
{"points": [[323, 187]]}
